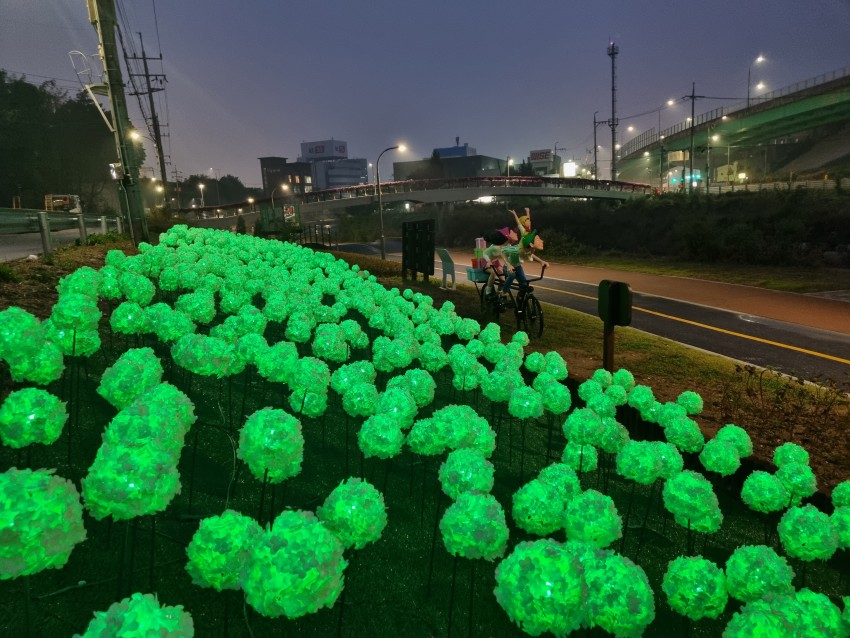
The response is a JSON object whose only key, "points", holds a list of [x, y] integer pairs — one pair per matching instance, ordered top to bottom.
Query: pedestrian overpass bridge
{"points": [[433, 191]]}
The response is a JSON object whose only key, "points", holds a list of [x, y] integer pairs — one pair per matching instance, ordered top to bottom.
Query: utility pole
{"points": [[102, 16], [613, 50], [693, 98], [596, 123], [157, 136]]}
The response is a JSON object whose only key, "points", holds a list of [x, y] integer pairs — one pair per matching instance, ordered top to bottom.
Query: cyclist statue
{"points": [[521, 252]]}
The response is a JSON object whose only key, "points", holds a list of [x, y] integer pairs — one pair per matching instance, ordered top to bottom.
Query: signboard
{"points": [[324, 149], [544, 155], [288, 212]]}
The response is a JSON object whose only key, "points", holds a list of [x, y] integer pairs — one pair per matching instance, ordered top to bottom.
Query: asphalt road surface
{"points": [[786, 346]]}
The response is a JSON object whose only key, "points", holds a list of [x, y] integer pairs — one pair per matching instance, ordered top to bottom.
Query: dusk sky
{"points": [[254, 78]]}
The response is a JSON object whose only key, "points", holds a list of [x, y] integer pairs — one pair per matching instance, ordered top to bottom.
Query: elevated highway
{"points": [[764, 121]]}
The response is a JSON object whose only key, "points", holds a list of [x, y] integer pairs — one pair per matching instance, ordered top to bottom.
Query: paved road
{"points": [[22, 245], [803, 335]]}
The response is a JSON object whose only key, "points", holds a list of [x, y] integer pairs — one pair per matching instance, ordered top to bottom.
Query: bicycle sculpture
{"points": [[520, 298]]}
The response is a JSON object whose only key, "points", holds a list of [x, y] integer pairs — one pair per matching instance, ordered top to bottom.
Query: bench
{"points": [[448, 265]]}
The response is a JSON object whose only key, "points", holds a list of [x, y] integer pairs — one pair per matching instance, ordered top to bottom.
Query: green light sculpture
{"points": [[85, 280], [137, 288], [199, 305], [75, 311], [129, 318], [72, 342], [277, 362], [535, 362], [555, 365], [43, 368], [135, 372], [350, 373], [624, 379], [420, 383], [641, 398], [360, 399], [691, 401], [398, 402], [30, 416], [583, 426], [685, 434], [380, 436], [614, 436], [738, 437], [271, 441], [790, 453], [721, 457], [581, 458], [670, 458], [639, 461], [466, 470], [799, 479], [764, 492], [841, 494], [690, 498], [537, 507], [355, 512], [592, 517], [41, 520], [840, 520], [474, 526], [807, 533], [219, 548], [295, 568], [755, 571], [540, 587], [695, 587], [620, 598], [140, 615]]}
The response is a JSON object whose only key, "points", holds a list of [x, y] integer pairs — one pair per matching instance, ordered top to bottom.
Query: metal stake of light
{"points": [[401, 148], [282, 187], [201, 188]]}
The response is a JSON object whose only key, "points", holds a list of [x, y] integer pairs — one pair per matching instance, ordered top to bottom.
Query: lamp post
{"points": [[758, 60], [401, 148], [509, 163], [282, 187], [201, 188], [217, 192], [251, 201]]}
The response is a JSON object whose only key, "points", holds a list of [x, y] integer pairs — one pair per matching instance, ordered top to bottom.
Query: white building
{"points": [[331, 166]]}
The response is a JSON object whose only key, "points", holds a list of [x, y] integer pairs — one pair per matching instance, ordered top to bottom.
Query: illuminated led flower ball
{"points": [[75, 311], [135, 372], [641, 398], [691, 401], [525, 403], [31, 416], [583, 426], [685, 434], [380, 436], [738, 437], [271, 440], [790, 453], [721, 457], [581, 458], [639, 461], [466, 470], [563, 478], [799, 479], [764, 492], [841, 494], [690, 498], [538, 508], [355, 512], [592, 517], [41, 520], [840, 520], [474, 526], [807, 533], [219, 548], [295, 568], [754, 571], [540, 587], [695, 587], [620, 598], [141, 615]]}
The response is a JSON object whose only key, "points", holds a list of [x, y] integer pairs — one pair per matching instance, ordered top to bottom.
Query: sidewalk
{"points": [[813, 311]]}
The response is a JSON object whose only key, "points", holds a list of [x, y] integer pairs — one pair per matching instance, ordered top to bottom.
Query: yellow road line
{"points": [[715, 328]]}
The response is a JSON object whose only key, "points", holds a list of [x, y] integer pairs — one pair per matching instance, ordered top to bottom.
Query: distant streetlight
{"points": [[758, 60], [401, 148], [509, 163], [282, 187], [201, 188], [161, 190], [217, 192], [251, 201]]}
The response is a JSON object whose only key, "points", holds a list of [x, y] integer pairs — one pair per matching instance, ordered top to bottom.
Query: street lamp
{"points": [[758, 60], [401, 148], [509, 163], [283, 187], [201, 188], [217, 192], [251, 201]]}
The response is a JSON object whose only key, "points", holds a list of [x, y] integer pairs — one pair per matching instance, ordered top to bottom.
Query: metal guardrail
{"points": [[16, 221]]}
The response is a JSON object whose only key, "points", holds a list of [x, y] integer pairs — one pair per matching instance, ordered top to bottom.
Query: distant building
{"points": [[451, 162], [544, 162], [331, 166], [276, 171]]}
